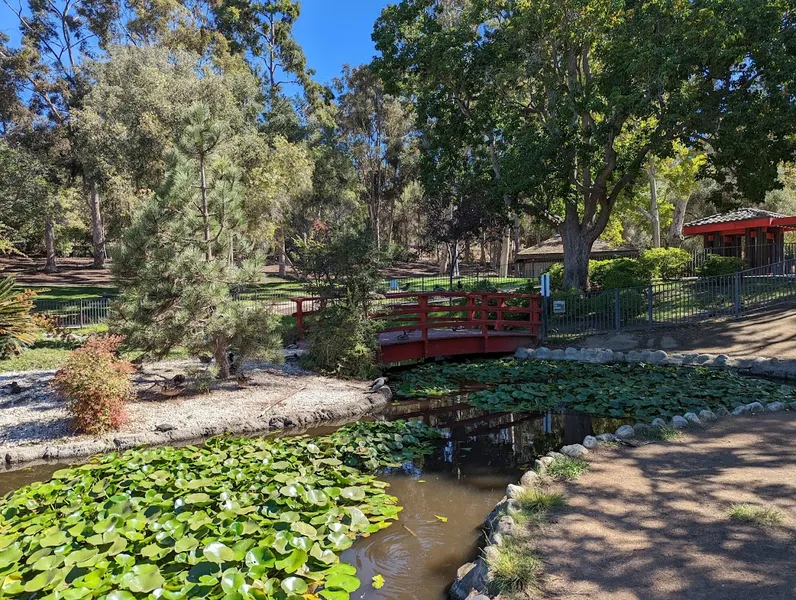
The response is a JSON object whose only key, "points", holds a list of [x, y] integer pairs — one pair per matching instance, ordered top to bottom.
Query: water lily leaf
{"points": [[353, 493], [199, 498], [304, 529], [54, 539], [185, 544], [218, 553], [10, 555], [260, 557], [292, 562], [45, 579], [142, 579], [232, 580], [349, 583], [294, 585], [335, 594], [120, 595]]}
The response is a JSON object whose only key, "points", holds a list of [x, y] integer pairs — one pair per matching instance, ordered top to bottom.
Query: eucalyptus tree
{"points": [[568, 99], [377, 131]]}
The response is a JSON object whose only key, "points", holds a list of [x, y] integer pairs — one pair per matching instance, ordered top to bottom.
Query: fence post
{"points": [[737, 286], [649, 306], [617, 311], [544, 318], [82, 322]]}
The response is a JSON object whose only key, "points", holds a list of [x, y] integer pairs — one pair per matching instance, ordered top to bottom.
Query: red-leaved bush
{"points": [[96, 384]]}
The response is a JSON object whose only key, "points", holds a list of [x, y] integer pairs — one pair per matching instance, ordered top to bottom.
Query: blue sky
{"points": [[332, 32]]}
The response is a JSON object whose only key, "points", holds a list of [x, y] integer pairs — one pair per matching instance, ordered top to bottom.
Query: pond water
{"points": [[461, 481]]}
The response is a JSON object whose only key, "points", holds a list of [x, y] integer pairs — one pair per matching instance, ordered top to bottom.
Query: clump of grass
{"points": [[659, 434], [567, 468], [535, 504], [760, 516], [514, 567]]}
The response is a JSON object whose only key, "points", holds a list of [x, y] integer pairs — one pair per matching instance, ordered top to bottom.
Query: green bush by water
{"points": [[639, 391], [238, 518]]}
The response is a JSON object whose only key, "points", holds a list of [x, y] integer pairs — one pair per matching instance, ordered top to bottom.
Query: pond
{"points": [[445, 495]]}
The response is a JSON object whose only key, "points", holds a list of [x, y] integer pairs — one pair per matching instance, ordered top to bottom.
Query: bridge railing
{"points": [[421, 312]]}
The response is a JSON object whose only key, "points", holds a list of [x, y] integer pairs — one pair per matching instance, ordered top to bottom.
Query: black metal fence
{"points": [[691, 300], [73, 314]]}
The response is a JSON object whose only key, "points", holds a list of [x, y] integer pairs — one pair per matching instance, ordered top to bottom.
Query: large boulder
{"points": [[692, 418], [679, 422], [625, 432], [590, 442], [574, 450], [470, 578]]}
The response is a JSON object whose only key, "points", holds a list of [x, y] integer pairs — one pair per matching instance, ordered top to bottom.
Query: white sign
{"points": [[559, 307]]}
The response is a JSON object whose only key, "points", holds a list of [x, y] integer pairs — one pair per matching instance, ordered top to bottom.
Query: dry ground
{"points": [[769, 333], [651, 523]]}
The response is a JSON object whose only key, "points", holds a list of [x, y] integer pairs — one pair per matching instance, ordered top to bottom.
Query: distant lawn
{"points": [[71, 292]]}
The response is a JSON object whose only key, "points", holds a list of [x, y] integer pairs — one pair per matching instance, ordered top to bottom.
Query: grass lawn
{"points": [[71, 292]]}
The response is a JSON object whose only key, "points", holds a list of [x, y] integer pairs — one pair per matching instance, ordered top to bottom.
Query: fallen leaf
{"points": [[443, 519], [378, 581]]}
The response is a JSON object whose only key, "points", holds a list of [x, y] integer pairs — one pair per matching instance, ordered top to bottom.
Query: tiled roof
{"points": [[742, 214], [554, 246]]}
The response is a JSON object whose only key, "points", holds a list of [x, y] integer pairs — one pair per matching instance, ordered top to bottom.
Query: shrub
{"points": [[665, 263], [716, 265], [556, 273], [618, 273], [18, 325], [343, 341], [96, 384]]}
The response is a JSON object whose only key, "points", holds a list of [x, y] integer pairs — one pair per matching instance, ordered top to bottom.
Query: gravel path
{"points": [[277, 397], [652, 523]]}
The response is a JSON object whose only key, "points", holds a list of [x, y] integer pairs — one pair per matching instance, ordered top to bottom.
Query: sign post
{"points": [[545, 281]]}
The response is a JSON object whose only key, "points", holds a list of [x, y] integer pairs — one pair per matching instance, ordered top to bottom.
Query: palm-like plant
{"points": [[17, 326]]}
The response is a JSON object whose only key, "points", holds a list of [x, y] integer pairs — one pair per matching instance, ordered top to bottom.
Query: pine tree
{"points": [[185, 254]]}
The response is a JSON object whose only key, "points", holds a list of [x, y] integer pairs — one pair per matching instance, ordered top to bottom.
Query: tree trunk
{"points": [[654, 216], [678, 222], [97, 230], [516, 234], [505, 253], [282, 254], [576, 256], [482, 258], [453, 259], [51, 264], [221, 355]]}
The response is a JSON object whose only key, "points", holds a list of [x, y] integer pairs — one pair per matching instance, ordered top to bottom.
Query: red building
{"points": [[756, 235]]}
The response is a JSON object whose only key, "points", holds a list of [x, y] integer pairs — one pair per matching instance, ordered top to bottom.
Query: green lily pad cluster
{"points": [[620, 390], [236, 519]]}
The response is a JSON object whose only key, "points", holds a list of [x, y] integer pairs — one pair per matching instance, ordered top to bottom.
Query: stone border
{"points": [[770, 367], [293, 423], [472, 579]]}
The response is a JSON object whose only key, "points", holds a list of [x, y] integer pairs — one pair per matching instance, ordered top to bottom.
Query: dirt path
{"points": [[770, 333], [651, 523]]}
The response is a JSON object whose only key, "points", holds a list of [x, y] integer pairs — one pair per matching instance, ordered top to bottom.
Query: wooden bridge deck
{"points": [[417, 326]]}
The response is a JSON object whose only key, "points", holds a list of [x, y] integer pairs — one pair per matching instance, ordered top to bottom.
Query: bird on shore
{"points": [[243, 380], [378, 384]]}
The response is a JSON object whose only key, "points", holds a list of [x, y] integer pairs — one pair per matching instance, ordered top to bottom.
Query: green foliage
{"points": [[484, 73], [185, 252], [340, 262], [665, 263], [716, 265], [556, 273], [619, 273], [17, 325], [343, 341], [96, 384], [639, 391], [659, 434], [566, 468], [535, 500], [760, 516], [263, 517], [514, 567]]}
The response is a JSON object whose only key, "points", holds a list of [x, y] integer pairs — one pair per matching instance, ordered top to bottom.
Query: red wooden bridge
{"points": [[430, 324]]}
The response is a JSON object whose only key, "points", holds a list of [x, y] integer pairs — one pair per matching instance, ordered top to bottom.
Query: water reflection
{"points": [[482, 452]]}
